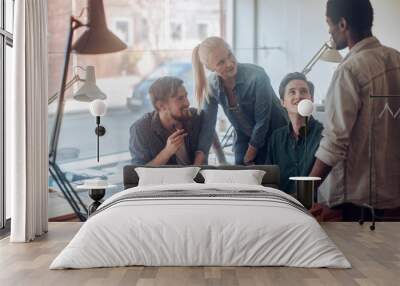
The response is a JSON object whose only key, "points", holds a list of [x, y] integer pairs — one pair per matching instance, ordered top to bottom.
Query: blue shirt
{"points": [[258, 113], [290, 154]]}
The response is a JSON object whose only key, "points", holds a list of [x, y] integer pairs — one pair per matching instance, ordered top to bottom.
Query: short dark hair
{"points": [[358, 14], [294, 76], [164, 88]]}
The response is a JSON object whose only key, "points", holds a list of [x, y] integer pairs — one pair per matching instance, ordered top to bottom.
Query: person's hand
{"points": [[175, 141], [250, 155], [316, 211], [323, 213]]}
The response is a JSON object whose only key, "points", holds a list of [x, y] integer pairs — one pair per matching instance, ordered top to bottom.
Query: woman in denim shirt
{"points": [[244, 92]]}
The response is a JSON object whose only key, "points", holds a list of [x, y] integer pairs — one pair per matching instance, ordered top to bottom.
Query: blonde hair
{"points": [[200, 57]]}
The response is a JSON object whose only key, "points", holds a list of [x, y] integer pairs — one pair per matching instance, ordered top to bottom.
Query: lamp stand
{"points": [[97, 39], [315, 59], [307, 122], [100, 131], [304, 132], [371, 161], [66, 188]]}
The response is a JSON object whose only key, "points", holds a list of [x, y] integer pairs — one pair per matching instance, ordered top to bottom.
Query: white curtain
{"points": [[26, 119]]}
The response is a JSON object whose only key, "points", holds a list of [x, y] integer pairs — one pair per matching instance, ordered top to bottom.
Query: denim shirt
{"points": [[258, 113]]}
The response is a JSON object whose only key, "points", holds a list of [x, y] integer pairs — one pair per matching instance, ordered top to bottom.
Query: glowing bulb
{"points": [[305, 107]]}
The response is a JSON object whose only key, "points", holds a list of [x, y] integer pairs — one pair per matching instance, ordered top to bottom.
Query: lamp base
{"points": [[68, 191], [306, 193], [96, 195]]}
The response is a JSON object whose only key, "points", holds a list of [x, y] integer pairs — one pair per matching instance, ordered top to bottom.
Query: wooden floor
{"points": [[375, 257]]}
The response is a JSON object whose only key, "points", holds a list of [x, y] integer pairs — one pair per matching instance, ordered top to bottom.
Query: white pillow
{"points": [[166, 176], [248, 177]]}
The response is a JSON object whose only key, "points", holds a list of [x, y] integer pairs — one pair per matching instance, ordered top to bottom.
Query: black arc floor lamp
{"points": [[97, 39]]}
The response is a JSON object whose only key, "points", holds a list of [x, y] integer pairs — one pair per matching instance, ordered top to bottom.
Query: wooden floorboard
{"points": [[374, 255]]}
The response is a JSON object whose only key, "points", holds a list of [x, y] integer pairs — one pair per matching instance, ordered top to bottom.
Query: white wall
{"points": [[387, 22], [299, 28], [244, 30], [289, 33]]}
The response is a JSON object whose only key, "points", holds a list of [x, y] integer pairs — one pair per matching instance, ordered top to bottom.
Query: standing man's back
{"points": [[370, 70]]}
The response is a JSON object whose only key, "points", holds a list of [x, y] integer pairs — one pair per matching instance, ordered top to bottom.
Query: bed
{"points": [[201, 224]]}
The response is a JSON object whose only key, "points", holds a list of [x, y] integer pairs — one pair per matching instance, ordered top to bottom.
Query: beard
{"points": [[339, 44], [182, 115]]}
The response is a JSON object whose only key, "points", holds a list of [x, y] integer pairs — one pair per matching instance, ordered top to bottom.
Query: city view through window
{"points": [[160, 36]]}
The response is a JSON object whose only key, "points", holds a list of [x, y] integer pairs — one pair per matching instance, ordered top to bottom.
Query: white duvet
{"points": [[200, 231]]}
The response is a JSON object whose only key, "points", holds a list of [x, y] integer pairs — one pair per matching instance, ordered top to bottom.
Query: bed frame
{"points": [[270, 179]]}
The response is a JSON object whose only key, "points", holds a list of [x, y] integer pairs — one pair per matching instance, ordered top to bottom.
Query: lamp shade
{"points": [[97, 39], [332, 56], [89, 90], [305, 107], [98, 108]]}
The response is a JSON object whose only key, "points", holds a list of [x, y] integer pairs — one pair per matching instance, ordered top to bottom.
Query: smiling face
{"points": [[223, 62], [296, 90], [177, 106]]}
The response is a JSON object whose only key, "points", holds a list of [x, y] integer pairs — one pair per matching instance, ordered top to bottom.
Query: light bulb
{"points": [[98, 107], [305, 107]]}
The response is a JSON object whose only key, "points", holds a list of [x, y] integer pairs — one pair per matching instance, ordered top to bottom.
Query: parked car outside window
{"points": [[180, 69]]}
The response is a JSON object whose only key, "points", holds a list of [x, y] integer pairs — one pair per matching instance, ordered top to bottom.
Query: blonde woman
{"points": [[244, 92]]}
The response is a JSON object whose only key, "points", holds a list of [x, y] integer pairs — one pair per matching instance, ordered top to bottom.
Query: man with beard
{"points": [[369, 69], [169, 134]]}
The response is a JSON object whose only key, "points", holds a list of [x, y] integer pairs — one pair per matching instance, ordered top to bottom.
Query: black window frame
{"points": [[6, 39]]}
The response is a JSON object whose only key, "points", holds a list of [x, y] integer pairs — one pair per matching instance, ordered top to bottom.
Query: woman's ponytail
{"points": [[199, 58], [200, 79]]}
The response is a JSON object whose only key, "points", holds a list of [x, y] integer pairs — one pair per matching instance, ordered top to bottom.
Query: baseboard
{"points": [[67, 217]]}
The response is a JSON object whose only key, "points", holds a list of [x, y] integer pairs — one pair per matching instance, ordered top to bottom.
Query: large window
{"points": [[160, 35], [280, 36], [6, 43]]}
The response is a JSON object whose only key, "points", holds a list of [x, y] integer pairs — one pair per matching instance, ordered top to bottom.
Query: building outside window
{"points": [[123, 28], [176, 31], [202, 31]]}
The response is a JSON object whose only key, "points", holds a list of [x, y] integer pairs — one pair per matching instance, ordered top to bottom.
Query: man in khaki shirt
{"points": [[369, 71]]}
